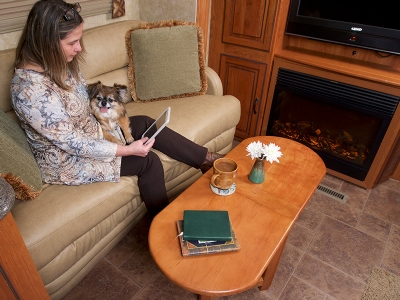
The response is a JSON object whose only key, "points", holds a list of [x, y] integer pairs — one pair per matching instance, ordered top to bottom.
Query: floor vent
{"points": [[327, 191]]}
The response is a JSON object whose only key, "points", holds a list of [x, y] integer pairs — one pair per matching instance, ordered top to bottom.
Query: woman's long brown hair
{"points": [[40, 42]]}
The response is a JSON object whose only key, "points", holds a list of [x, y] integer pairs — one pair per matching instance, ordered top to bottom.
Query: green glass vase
{"points": [[257, 173]]}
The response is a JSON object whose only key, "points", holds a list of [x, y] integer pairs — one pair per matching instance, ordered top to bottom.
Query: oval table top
{"points": [[261, 216]]}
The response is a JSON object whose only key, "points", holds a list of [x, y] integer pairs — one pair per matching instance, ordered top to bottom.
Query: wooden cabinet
{"points": [[248, 23], [247, 38], [240, 44], [245, 80]]}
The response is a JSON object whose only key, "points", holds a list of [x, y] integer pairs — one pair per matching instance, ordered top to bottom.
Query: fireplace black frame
{"points": [[366, 101]]}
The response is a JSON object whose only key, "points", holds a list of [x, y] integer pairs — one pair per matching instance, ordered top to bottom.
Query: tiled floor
{"points": [[329, 253]]}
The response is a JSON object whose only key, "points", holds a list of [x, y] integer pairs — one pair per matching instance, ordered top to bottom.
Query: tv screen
{"points": [[367, 24]]}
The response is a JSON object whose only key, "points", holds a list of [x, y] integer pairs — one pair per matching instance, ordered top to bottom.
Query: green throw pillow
{"points": [[166, 60], [17, 163]]}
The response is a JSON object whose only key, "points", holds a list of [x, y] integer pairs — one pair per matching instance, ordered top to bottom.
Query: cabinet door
{"points": [[249, 23], [240, 52], [244, 79]]}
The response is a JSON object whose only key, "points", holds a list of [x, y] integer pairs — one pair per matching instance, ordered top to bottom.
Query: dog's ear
{"points": [[93, 89], [122, 91]]}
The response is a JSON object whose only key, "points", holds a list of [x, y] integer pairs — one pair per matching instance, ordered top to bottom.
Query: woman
{"points": [[50, 98]]}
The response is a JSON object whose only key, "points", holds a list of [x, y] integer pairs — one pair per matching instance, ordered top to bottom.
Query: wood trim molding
{"points": [[203, 20], [396, 174], [17, 266]]}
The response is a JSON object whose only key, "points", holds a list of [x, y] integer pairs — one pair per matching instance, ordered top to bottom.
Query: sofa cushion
{"points": [[166, 60], [217, 115], [18, 165], [65, 222]]}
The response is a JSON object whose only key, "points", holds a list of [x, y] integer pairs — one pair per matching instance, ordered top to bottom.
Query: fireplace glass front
{"points": [[344, 124]]}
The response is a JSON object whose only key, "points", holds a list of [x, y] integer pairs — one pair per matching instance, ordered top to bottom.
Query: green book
{"points": [[206, 225]]}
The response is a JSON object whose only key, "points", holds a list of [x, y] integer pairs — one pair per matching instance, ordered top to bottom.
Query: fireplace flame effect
{"points": [[340, 144]]}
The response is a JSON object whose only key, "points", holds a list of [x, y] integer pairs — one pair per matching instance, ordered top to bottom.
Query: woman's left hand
{"points": [[137, 148]]}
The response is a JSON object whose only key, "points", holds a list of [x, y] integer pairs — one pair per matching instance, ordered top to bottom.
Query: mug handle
{"points": [[213, 179]]}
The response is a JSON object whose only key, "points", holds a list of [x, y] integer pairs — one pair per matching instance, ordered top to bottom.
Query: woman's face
{"points": [[71, 44]]}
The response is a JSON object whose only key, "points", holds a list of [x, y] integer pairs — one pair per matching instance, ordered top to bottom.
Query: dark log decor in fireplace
{"points": [[344, 124]]}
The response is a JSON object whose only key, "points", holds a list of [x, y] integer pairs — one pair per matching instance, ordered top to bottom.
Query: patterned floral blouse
{"points": [[65, 138]]}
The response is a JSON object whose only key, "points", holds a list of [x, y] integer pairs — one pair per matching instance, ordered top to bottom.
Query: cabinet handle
{"points": [[254, 107]]}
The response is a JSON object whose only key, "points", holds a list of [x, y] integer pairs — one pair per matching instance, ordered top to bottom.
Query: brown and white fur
{"points": [[107, 105]]}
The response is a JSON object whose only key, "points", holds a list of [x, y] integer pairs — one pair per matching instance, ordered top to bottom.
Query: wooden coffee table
{"points": [[261, 215]]}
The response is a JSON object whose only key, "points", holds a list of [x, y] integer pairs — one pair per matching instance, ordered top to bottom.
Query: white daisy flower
{"points": [[255, 150], [259, 150], [271, 152]]}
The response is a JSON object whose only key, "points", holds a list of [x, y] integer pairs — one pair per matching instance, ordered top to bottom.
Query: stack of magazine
{"points": [[206, 232]]}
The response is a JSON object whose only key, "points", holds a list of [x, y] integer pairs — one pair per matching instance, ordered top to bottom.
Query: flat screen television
{"points": [[371, 24]]}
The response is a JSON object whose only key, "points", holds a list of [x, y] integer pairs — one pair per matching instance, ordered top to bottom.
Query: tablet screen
{"points": [[157, 126]]}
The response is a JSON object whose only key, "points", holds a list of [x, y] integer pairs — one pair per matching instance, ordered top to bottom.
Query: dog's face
{"points": [[107, 100]]}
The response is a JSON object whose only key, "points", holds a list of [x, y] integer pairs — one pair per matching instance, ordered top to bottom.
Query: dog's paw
{"points": [[129, 140]]}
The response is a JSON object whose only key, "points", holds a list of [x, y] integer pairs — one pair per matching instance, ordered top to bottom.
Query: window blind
{"points": [[13, 13]]}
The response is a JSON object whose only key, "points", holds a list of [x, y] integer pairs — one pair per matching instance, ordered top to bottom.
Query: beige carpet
{"points": [[382, 285]]}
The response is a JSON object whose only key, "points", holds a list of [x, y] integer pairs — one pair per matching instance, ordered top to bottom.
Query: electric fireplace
{"points": [[344, 124]]}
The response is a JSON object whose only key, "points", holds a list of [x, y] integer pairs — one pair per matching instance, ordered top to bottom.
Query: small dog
{"points": [[107, 104]]}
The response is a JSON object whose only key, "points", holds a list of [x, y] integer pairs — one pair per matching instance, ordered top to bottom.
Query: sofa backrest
{"points": [[105, 48], [106, 52], [7, 58]]}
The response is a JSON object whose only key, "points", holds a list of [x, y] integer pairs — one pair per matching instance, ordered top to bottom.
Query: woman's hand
{"points": [[135, 148]]}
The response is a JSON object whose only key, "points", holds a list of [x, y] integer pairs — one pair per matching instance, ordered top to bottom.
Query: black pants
{"points": [[149, 169]]}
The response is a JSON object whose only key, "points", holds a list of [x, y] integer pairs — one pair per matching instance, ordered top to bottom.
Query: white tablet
{"points": [[157, 126]]}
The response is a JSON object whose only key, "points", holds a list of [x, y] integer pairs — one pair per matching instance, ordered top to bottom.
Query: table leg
{"points": [[269, 273], [266, 280]]}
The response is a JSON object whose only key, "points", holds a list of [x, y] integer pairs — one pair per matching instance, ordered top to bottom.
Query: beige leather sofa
{"points": [[68, 229]]}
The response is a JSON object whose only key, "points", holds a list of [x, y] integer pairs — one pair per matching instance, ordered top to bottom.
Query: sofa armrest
{"points": [[214, 83]]}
